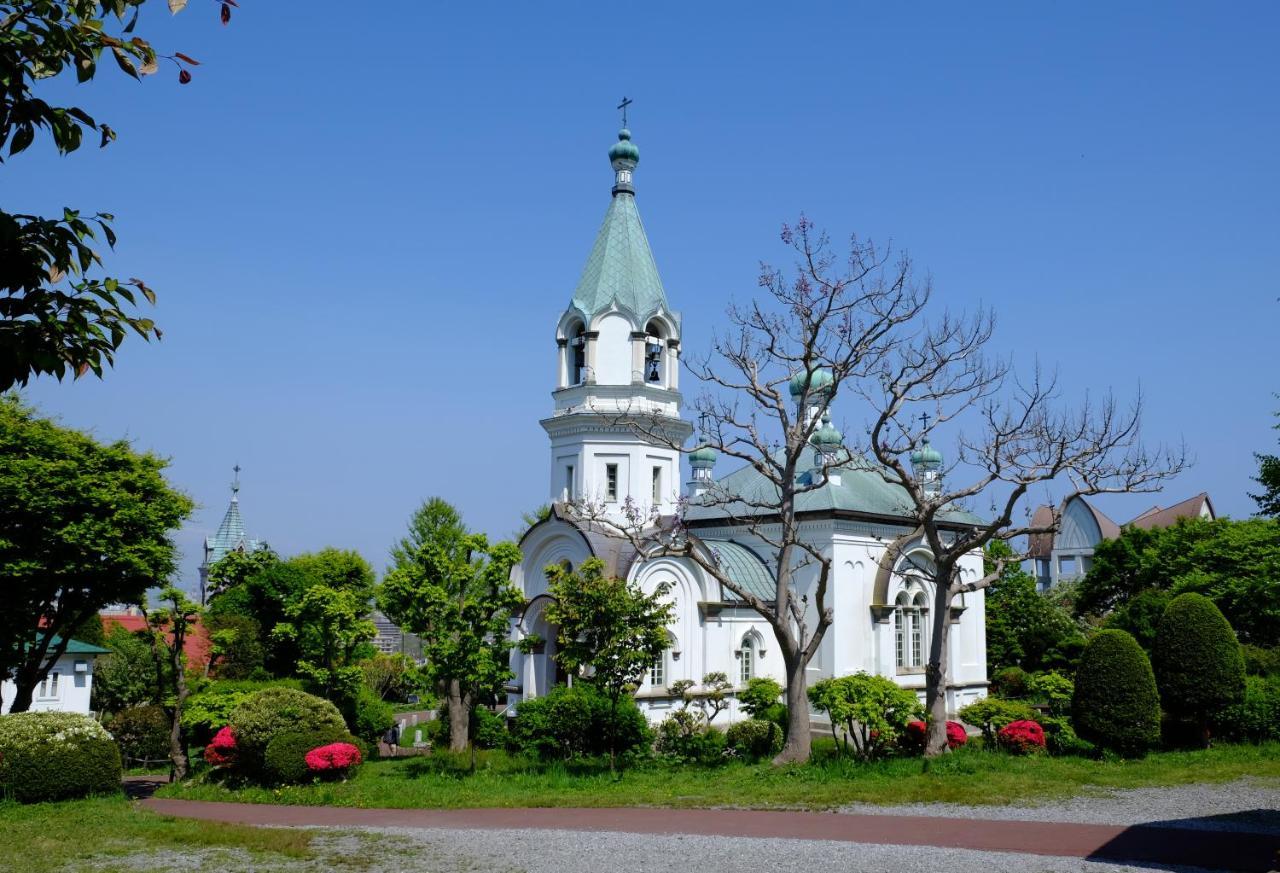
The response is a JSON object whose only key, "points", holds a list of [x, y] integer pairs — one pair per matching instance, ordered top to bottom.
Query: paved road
{"points": [[1141, 844]]}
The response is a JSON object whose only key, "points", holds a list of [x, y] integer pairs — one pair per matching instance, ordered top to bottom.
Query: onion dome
{"points": [[624, 150], [818, 381], [827, 437], [926, 454], [703, 457]]}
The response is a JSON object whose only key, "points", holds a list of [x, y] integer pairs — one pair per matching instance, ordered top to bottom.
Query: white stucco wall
{"points": [[73, 687]]}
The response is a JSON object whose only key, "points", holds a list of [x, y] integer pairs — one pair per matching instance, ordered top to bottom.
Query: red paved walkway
{"points": [[1142, 844]]}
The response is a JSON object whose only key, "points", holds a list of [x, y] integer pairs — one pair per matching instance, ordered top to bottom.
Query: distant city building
{"points": [[230, 537], [1068, 554]]}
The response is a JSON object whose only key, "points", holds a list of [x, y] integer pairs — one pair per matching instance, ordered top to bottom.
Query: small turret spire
{"points": [[623, 156], [235, 484]]}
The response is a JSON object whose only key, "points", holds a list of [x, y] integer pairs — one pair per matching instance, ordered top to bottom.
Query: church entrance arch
{"points": [[541, 670]]}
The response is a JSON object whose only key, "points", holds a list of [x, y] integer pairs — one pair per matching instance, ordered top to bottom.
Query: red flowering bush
{"points": [[916, 731], [1021, 737], [221, 750], [335, 759]]}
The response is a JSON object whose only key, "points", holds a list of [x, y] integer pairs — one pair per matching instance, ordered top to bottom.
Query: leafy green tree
{"points": [[55, 313], [1269, 478], [82, 525], [1236, 564], [453, 589], [1140, 616], [170, 624], [329, 625], [1024, 627], [610, 631], [235, 646], [1198, 663], [127, 676], [391, 677], [873, 710]]}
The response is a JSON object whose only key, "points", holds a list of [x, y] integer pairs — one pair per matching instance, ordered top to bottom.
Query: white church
{"points": [[618, 355]]}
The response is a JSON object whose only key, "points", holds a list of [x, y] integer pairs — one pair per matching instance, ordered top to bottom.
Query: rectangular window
{"points": [[568, 482], [611, 482], [657, 485], [1067, 565], [916, 622], [900, 637], [745, 665], [658, 671], [49, 687]]}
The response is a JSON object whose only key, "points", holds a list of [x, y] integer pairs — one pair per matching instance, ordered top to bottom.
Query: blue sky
{"points": [[363, 229]]}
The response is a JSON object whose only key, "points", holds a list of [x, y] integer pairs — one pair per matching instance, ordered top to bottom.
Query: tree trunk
{"points": [[25, 689], [935, 695], [459, 717], [178, 742], [798, 744]]}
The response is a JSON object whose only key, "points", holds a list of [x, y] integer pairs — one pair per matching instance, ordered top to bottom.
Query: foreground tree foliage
{"points": [[57, 312], [1268, 499], [82, 525], [1236, 564], [453, 589], [171, 622], [1024, 628], [610, 631]]}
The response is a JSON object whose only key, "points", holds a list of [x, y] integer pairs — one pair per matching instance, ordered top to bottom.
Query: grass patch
{"points": [[970, 776], [72, 834]]}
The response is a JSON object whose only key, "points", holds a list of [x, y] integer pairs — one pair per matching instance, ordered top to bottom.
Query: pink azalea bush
{"points": [[956, 736], [1021, 737], [221, 751], [335, 759]]}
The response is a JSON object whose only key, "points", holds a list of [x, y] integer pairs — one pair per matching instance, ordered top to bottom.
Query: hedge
{"points": [[1198, 663], [1116, 705], [265, 714], [1256, 718], [574, 721], [142, 732], [754, 738], [56, 756], [285, 759]]}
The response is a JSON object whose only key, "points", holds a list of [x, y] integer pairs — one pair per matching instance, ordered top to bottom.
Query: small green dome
{"points": [[624, 149], [819, 381], [827, 436], [926, 454], [703, 456]]}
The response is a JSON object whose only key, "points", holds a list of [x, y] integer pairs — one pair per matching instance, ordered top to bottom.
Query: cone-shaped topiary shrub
{"points": [[1198, 662], [1116, 705]]}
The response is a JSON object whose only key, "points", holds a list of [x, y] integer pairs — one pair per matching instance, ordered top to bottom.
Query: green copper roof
{"points": [[621, 269], [820, 380], [926, 454], [703, 456], [861, 489], [744, 567], [75, 647]]}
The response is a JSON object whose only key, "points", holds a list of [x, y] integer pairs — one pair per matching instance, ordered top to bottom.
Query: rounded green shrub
{"points": [[1198, 663], [1010, 682], [1116, 705], [265, 714], [370, 716], [1256, 718], [575, 721], [142, 732], [685, 737], [754, 739], [56, 756], [284, 761]]}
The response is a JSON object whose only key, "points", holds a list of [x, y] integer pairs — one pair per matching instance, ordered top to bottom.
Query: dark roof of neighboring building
{"points": [[1192, 507]]}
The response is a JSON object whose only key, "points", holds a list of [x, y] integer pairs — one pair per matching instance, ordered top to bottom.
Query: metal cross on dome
{"points": [[626, 101], [235, 483]]}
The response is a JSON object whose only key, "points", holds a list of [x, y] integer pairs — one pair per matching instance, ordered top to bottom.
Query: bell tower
{"points": [[616, 427]]}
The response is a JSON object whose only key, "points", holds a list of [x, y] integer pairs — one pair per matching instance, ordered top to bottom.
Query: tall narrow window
{"points": [[577, 355], [568, 482], [611, 482], [657, 485], [900, 631], [747, 664], [658, 671], [49, 687]]}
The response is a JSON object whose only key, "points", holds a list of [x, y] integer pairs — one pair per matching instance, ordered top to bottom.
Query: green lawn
{"points": [[969, 776], [66, 836]]}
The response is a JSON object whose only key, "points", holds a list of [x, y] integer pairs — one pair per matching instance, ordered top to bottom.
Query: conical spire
{"points": [[621, 269], [230, 534]]}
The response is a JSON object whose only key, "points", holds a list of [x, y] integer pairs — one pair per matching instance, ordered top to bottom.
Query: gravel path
{"points": [[1243, 805], [413, 850]]}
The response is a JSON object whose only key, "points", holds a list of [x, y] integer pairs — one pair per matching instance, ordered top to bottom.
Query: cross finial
{"points": [[626, 101], [924, 418], [235, 483]]}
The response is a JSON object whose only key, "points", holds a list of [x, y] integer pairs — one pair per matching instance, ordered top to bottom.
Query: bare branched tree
{"points": [[858, 326]]}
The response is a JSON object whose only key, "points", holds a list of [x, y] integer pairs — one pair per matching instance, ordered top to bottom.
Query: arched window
{"points": [[577, 354], [655, 354], [911, 609], [747, 662], [658, 671]]}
